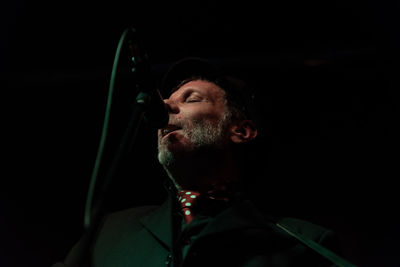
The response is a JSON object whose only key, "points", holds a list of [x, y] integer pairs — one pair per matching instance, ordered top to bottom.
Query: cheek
{"points": [[208, 116], [191, 120]]}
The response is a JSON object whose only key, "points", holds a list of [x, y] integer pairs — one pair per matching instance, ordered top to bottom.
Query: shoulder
{"points": [[297, 225], [113, 226], [305, 228]]}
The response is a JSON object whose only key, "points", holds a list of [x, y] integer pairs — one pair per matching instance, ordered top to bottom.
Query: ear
{"points": [[243, 131]]}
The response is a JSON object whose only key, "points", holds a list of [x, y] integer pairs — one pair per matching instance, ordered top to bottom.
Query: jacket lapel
{"points": [[159, 224]]}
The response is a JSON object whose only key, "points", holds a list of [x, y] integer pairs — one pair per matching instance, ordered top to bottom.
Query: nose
{"points": [[171, 106]]}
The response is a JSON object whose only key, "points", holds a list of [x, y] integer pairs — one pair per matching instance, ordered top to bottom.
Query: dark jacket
{"points": [[239, 236]]}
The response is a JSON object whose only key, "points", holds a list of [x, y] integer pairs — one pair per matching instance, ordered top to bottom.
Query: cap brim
{"points": [[184, 69]]}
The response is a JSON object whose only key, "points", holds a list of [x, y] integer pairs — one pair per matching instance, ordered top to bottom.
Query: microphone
{"points": [[155, 110]]}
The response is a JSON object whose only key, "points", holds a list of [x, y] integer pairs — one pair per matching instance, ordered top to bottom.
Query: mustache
{"points": [[176, 122], [173, 124]]}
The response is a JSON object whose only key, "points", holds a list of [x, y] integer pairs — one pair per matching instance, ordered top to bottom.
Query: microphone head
{"points": [[155, 111], [156, 114]]}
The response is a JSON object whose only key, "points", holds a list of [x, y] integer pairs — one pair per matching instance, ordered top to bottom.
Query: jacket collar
{"points": [[241, 215], [159, 223]]}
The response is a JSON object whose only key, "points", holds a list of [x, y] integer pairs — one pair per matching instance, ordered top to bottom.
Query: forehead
{"points": [[206, 88]]}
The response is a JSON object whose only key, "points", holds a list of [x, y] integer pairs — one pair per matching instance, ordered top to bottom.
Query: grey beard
{"points": [[203, 136], [165, 157]]}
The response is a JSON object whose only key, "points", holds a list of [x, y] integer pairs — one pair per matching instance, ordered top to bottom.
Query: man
{"points": [[208, 219]]}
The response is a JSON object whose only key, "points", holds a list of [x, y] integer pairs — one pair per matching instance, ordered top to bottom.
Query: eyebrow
{"points": [[188, 91]]}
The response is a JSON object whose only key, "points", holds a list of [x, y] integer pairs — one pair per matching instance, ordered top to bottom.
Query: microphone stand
{"points": [[79, 256]]}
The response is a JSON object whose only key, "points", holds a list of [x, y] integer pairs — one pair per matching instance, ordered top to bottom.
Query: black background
{"points": [[326, 77]]}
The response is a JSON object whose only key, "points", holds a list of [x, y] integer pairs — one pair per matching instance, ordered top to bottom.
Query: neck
{"points": [[203, 173]]}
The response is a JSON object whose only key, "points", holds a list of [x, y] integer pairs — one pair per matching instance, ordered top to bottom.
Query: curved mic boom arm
{"points": [[148, 99]]}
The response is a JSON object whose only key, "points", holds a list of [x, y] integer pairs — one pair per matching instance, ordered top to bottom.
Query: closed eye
{"points": [[191, 95], [192, 99]]}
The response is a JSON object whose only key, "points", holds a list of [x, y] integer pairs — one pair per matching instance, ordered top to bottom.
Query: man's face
{"points": [[197, 120]]}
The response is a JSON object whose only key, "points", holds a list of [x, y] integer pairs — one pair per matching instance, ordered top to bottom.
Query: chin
{"points": [[175, 145], [170, 153], [166, 158]]}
